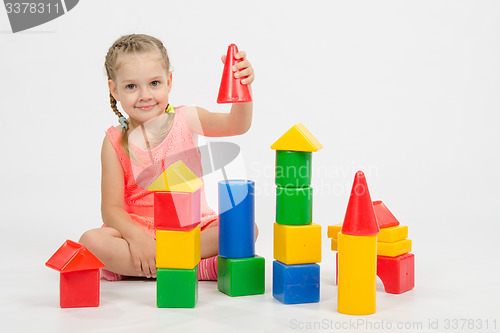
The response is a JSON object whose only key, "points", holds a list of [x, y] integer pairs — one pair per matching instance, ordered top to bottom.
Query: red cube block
{"points": [[177, 210], [397, 273], [79, 289]]}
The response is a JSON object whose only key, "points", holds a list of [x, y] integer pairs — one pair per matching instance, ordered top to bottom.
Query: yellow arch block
{"points": [[297, 138], [176, 178], [333, 230], [393, 234], [297, 244], [335, 244], [178, 249], [394, 249], [357, 270]]}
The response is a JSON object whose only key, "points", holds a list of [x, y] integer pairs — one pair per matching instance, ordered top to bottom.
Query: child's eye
{"points": [[155, 83], [130, 86]]}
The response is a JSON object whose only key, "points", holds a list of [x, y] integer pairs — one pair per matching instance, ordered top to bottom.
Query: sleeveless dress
{"points": [[177, 145]]}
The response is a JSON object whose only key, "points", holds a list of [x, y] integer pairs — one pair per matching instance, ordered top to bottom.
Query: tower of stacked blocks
{"points": [[177, 215], [297, 241], [357, 253], [395, 263], [240, 272]]}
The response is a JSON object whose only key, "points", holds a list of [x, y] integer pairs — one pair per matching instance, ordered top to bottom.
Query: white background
{"points": [[406, 91]]}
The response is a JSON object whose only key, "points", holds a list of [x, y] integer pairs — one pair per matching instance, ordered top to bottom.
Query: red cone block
{"points": [[231, 89], [360, 219]]}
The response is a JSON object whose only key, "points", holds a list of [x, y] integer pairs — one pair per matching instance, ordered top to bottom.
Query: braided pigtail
{"points": [[123, 121]]}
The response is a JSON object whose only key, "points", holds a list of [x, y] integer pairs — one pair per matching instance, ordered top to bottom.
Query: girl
{"points": [[139, 78]]}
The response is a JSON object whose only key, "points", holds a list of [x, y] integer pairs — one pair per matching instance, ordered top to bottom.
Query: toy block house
{"points": [[177, 215], [297, 241], [395, 263], [240, 272], [79, 279]]}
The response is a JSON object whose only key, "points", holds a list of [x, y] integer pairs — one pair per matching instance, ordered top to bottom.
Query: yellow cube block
{"points": [[333, 230], [393, 234], [297, 244], [335, 244], [178, 249], [394, 249]]}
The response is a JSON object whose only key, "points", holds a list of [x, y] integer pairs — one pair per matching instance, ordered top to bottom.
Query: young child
{"points": [[139, 78]]}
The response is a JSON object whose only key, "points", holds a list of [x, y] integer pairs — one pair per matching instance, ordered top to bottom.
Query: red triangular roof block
{"points": [[384, 216], [360, 219], [71, 257]]}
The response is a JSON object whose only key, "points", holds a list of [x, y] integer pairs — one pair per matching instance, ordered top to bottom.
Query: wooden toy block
{"points": [[297, 138], [293, 168], [177, 178], [294, 205], [177, 210], [384, 216], [236, 218], [333, 230], [393, 234], [386, 235], [297, 244], [335, 244], [178, 249], [394, 249], [357, 265], [397, 273], [241, 276], [79, 279], [295, 284], [176, 288]]}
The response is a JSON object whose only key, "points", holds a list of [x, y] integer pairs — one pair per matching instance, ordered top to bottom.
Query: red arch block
{"points": [[397, 273]]}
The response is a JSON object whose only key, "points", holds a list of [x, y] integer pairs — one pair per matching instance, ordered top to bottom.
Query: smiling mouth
{"points": [[146, 107]]}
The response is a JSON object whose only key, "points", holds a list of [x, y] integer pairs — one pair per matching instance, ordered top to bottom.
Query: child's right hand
{"points": [[143, 251]]}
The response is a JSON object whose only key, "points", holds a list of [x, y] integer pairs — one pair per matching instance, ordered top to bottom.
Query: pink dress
{"points": [[177, 145]]}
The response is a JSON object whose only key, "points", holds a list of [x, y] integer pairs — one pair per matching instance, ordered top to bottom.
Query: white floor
{"points": [[453, 289]]}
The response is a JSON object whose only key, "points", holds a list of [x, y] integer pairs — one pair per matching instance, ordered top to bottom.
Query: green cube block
{"points": [[293, 168], [294, 205], [241, 276], [176, 288]]}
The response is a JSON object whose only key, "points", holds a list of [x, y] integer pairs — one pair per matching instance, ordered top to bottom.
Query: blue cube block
{"points": [[237, 218], [295, 284]]}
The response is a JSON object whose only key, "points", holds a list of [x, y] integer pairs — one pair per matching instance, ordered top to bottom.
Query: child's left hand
{"points": [[243, 68]]}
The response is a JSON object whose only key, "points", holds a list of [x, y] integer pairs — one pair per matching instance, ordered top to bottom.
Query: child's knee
{"points": [[89, 238], [95, 240]]}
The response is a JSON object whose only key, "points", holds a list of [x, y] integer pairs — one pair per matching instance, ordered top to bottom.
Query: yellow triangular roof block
{"points": [[297, 138], [176, 178]]}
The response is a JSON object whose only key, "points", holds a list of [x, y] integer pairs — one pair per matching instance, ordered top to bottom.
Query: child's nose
{"points": [[146, 94]]}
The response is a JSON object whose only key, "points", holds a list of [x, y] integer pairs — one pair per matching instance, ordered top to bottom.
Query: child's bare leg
{"points": [[210, 240], [108, 245]]}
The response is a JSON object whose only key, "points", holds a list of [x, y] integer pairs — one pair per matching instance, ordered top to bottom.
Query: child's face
{"points": [[141, 85]]}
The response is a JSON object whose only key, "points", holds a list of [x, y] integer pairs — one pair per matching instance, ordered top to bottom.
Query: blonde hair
{"points": [[129, 44]]}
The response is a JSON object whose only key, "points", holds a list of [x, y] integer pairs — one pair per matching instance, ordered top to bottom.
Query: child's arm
{"points": [[238, 121], [142, 246]]}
